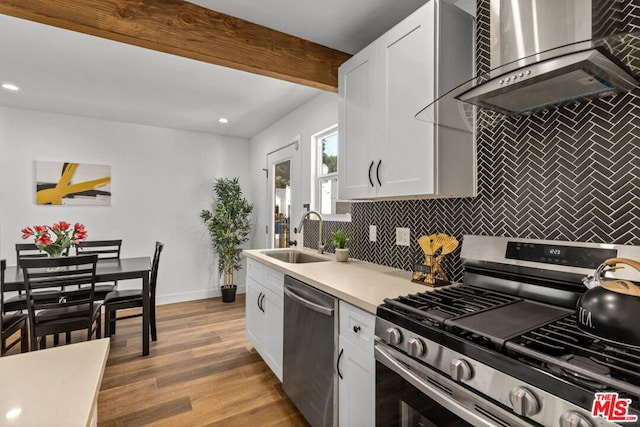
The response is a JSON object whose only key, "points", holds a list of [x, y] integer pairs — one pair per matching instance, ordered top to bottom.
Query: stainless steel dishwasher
{"points": [[309, 351]]}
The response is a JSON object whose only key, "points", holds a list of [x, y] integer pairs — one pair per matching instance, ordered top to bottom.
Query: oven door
{"points": [[409, 394]]}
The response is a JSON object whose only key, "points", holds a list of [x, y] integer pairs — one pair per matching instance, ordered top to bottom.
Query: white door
{"points": [[283, 172]]}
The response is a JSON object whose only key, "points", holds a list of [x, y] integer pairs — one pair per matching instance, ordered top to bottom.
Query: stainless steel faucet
{"points": [[299, 228]]}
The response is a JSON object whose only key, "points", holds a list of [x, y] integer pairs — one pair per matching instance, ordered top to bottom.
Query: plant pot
{"points": [[342, 255], [229, 294]]}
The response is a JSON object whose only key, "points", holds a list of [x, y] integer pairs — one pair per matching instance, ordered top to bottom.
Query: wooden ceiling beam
{"points": [[188, 30]]}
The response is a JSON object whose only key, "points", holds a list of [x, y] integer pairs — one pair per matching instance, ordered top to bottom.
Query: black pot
{"points": [[229, 294]]}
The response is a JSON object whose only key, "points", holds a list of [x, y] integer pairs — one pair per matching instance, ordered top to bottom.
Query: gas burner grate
{"points": [[447, 303], [552, 348]]}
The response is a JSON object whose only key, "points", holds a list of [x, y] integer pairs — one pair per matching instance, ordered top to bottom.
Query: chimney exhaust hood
{"points": [[542, 54]]}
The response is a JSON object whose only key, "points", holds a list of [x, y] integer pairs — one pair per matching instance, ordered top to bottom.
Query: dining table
{"points": [[107, 270]]}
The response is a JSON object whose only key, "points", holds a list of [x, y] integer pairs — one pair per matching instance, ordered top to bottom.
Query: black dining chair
{"points": [[105, 249], [132, 298], [18, 302], [75, 307], [11, 323]]}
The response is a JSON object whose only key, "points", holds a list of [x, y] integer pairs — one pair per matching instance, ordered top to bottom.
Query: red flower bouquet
{"points": [[65, 236]]}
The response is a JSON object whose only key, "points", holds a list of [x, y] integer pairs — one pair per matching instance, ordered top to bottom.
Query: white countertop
{"points": [[359, 283], [53, 387]]}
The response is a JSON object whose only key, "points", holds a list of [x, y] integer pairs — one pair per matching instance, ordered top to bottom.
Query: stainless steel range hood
{"points": [[542, 54], [576, 76]]}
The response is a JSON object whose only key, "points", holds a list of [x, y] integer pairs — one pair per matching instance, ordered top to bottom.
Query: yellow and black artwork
{"points": [[64, 183]]}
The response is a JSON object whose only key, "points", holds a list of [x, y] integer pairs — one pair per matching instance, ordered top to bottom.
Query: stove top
{"points": [[515, 313], [540, 335]]}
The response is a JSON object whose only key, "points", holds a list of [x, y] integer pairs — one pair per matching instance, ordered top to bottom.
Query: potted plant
{"points": [[229, 228], [339, 240]]}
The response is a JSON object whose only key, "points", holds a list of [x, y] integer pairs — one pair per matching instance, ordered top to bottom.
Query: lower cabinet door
{"points": [[273, 324], [255, 327], [357, 387]]}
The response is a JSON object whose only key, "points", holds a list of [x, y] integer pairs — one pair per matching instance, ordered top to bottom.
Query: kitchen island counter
{"points": [[53, 387]]}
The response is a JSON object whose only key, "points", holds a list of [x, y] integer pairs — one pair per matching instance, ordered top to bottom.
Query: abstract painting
{"points": [[62, 183]]}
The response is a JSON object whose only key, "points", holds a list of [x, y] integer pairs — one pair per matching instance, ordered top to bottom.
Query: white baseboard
{"points": [[193, 295]]}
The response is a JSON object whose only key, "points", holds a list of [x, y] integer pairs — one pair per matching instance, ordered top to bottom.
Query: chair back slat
{"points": [[105, 249], [29, 251], [56, 280]]}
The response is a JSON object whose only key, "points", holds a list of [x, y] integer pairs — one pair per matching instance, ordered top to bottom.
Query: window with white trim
{"points": [[327, 171]]}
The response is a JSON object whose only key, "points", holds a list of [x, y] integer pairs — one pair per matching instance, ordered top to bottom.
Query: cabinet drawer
{"points": [[255, 270], [357, 326]]}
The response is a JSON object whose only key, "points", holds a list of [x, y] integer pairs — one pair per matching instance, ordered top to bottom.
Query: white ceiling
{"points": [[345, 25], [66, 72]]}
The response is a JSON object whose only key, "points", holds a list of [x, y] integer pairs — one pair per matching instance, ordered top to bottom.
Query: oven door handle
{"points": [[403, 368]]}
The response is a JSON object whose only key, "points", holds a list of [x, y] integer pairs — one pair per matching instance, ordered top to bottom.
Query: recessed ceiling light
{"points": [[10, 86], [223, 120], [13, 413]]}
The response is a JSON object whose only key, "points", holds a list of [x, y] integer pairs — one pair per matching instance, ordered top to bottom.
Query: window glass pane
{"points": [[329, 154], [328, 193], [282, 202]]}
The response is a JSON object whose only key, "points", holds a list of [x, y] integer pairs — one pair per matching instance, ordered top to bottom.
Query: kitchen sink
{"points": [[295, 257]]}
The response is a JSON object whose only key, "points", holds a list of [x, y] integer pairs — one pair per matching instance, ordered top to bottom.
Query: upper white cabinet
{"points": [[357, 87], [385, 152]]}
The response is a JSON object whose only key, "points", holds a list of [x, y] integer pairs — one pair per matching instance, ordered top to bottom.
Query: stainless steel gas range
{"points": [[503, 348]]}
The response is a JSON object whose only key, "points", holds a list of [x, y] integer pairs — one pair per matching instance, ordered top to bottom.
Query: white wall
{"points": [[314, 116], [161, 180]]}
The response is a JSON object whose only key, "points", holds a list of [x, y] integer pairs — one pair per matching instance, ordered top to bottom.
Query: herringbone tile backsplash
{"points": [[571, 173]]}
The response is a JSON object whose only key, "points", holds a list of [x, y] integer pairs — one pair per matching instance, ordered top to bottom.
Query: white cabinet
{"points": [[385, 152], [357, 158], [264, 313], [254, 322], [356, 366]]}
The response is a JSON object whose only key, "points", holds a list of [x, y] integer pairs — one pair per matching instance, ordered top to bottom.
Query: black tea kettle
{"points": [[611, 309]]}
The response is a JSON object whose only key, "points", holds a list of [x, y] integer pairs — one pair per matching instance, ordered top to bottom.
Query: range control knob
{"points": [[394, 337], [416, 348], [460, 370], [523, 402], [574, 419]]}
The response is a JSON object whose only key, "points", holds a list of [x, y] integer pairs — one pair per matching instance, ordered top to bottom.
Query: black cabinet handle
{"points": [[370, 166], [378, 173], [258, 301], [262, 302], [356, 329], [338, 363]]}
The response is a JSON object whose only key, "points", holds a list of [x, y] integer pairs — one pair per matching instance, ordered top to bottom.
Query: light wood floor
{"points": [[202, 371]]}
